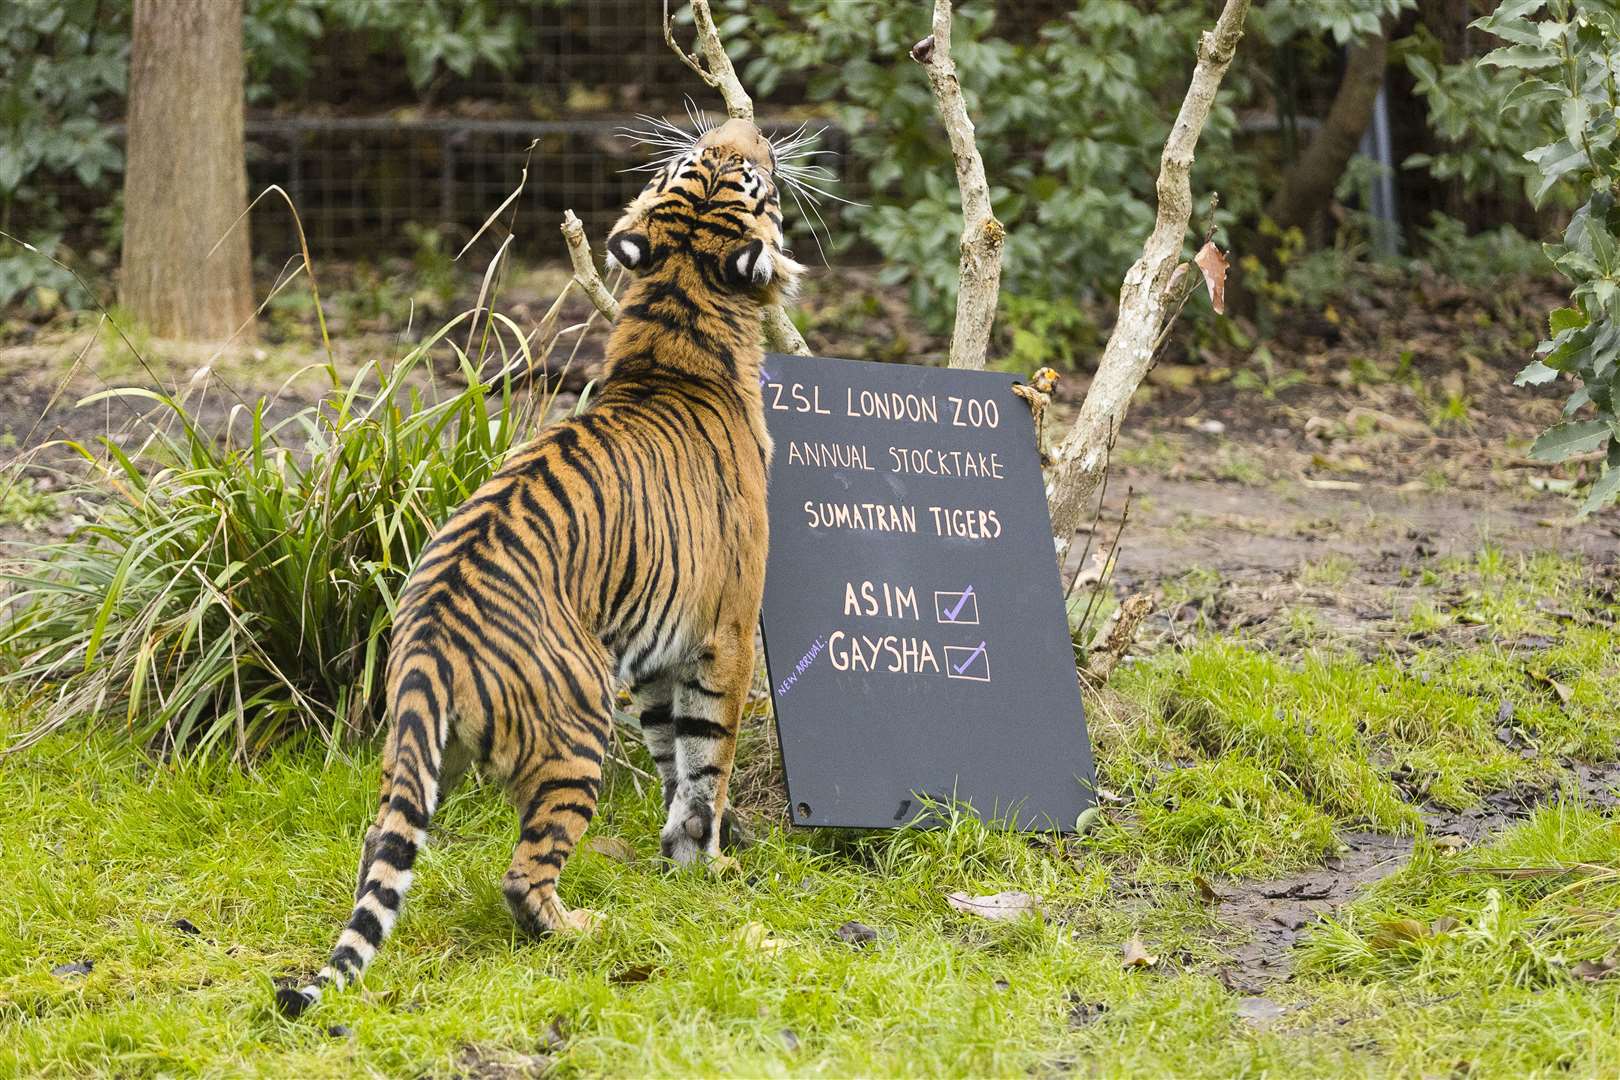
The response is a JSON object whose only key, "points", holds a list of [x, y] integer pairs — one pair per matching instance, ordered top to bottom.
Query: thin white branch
{"points": [[711, 63], [982, 235], [585, 275], [1145, 296]]}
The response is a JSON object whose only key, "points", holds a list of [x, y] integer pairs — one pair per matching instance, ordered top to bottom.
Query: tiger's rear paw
{"points": [[687, 837], [539, 913], [582, 922]]}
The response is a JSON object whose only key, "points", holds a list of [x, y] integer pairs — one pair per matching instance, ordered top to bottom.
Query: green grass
{"points": [[1224, 761]]}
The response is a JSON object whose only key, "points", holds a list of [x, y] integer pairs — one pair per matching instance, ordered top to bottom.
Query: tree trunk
{"points": [[185, 185], [1308, 187], [1145, 308]]}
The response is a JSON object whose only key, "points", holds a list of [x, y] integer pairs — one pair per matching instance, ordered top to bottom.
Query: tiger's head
{"points": [[713, 210]]}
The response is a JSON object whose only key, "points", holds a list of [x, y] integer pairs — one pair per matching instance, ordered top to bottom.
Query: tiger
{"points": [[624, 545]]}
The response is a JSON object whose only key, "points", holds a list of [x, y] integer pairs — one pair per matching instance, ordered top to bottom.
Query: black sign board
{"points": [[914, 624]]}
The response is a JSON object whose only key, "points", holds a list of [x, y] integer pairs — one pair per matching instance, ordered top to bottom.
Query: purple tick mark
{"points": [[960, 604], [972, 656]]}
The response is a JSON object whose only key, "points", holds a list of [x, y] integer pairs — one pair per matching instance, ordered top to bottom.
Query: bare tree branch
{"points": [[711, 63], [982, 235], [585, 275], [1145, 300], [1115, 639]]}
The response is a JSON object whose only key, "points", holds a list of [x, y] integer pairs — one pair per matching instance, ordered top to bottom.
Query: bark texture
{"points": [[185, 183], [1308, 186], [584, 263], [979, 268], [1145, 296]]}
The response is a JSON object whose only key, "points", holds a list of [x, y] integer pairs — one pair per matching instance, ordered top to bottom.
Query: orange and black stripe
{"points": [[627, 543]]}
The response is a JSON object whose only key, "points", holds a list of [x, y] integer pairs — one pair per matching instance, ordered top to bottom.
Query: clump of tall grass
{"points": [[228, 589]]}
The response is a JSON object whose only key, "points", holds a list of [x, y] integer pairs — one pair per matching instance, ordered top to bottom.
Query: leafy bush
{"points": [[64, 64], [1565, 66], [1071, 118], [223, 594]]}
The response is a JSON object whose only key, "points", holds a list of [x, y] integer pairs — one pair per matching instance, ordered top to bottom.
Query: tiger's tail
{"points": [[413, 761]]}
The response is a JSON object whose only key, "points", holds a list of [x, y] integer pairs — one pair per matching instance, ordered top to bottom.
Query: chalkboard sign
{"points": [[914, 624]]}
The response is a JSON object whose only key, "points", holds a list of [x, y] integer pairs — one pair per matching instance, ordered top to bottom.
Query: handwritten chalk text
{"points": [[828, 455], [931, 461], [875, 517], [890, 601], [858, 652], [801, 667]]}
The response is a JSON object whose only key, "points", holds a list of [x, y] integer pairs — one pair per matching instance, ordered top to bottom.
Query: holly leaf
{"points": [[1563, 441]]}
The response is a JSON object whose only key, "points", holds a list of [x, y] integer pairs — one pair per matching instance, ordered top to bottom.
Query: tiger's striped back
{"points": [[626, 543]]}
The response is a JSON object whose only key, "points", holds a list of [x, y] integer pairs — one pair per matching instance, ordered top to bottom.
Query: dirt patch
{"points": [[1278, 912], [1275, 915], [498, 1063]]}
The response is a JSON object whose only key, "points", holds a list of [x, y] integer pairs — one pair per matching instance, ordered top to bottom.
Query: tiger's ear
{"points": [[629, 250], [750, 266]]}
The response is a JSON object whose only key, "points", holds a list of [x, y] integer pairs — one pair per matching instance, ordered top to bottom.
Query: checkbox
{"points": [[957, 608], [967, 662]]}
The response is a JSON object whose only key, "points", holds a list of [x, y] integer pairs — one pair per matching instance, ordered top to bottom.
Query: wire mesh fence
{"points": [[366, 154]]}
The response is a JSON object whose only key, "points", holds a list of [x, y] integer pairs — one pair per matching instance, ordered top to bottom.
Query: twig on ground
{"points": [[982, 235]]}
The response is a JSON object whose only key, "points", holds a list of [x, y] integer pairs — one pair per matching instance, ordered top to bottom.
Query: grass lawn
{"points": [[1225, 763]]}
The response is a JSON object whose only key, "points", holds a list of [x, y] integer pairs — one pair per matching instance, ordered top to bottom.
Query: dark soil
{"points": [[1266, 919]]}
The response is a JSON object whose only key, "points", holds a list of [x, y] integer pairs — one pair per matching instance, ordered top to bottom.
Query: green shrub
{"points": [[1565, 70], [225, 592]]}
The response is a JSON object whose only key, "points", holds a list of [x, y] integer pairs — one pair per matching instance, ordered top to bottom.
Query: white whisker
{"points": [[811, 191], [811, 226]]}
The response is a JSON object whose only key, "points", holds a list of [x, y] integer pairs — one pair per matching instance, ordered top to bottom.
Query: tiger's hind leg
{"points": [[656, 699], [708, 705], [454, 763], [555, 794]]}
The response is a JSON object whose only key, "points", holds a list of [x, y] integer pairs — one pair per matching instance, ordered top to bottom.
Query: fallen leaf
{"points": [[1212, 261], [1395, 425], [1088, 817], [1450, 843], [611, 847], [724, 866], [1206, 891], [1000, 906], [1443, 925], [1398, 932], [856, 933], [757, 937], [1135, 954], [78, 967], [1593, 970], [635, 973]]}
